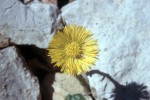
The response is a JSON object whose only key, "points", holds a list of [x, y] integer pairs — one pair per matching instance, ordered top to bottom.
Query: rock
{"points": [[50, 1], [28, 24], [122, 29], [4, 41], [16, 82], [58, 86]]}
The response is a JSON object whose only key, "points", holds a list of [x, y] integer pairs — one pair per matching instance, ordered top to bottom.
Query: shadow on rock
{"points": [[39, 65]]}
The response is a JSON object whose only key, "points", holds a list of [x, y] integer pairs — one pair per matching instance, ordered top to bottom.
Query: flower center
{"points": [[73, 49]]}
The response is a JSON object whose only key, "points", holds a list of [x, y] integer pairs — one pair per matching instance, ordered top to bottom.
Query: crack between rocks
{"points": [[6, 9], [25, 14], [33, 17]]}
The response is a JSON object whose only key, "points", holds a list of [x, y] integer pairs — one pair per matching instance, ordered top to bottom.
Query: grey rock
{"points": [[28, 24], [122, 29], [16, 82]]}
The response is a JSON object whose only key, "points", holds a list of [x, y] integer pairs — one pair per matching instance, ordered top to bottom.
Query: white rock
{"points": [[28, 24], [122, 29], [16, 82], [57, 86]]}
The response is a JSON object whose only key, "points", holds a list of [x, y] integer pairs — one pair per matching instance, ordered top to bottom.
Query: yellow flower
{"points": [[73, 50]]}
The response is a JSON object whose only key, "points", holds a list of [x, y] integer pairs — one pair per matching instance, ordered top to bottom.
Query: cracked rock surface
{"points": [[28, 24], [120, 26], [122, 29], [26, 73], [16, 82]]}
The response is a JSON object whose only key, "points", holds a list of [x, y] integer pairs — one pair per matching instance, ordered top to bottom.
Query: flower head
{"points": [[73, 50]]}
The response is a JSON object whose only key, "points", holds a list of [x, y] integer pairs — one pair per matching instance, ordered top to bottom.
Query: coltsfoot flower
{"points": [[73, 49]]}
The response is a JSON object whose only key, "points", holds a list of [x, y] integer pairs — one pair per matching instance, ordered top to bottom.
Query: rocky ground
{"points": [[26, 27], [26, 73]]}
